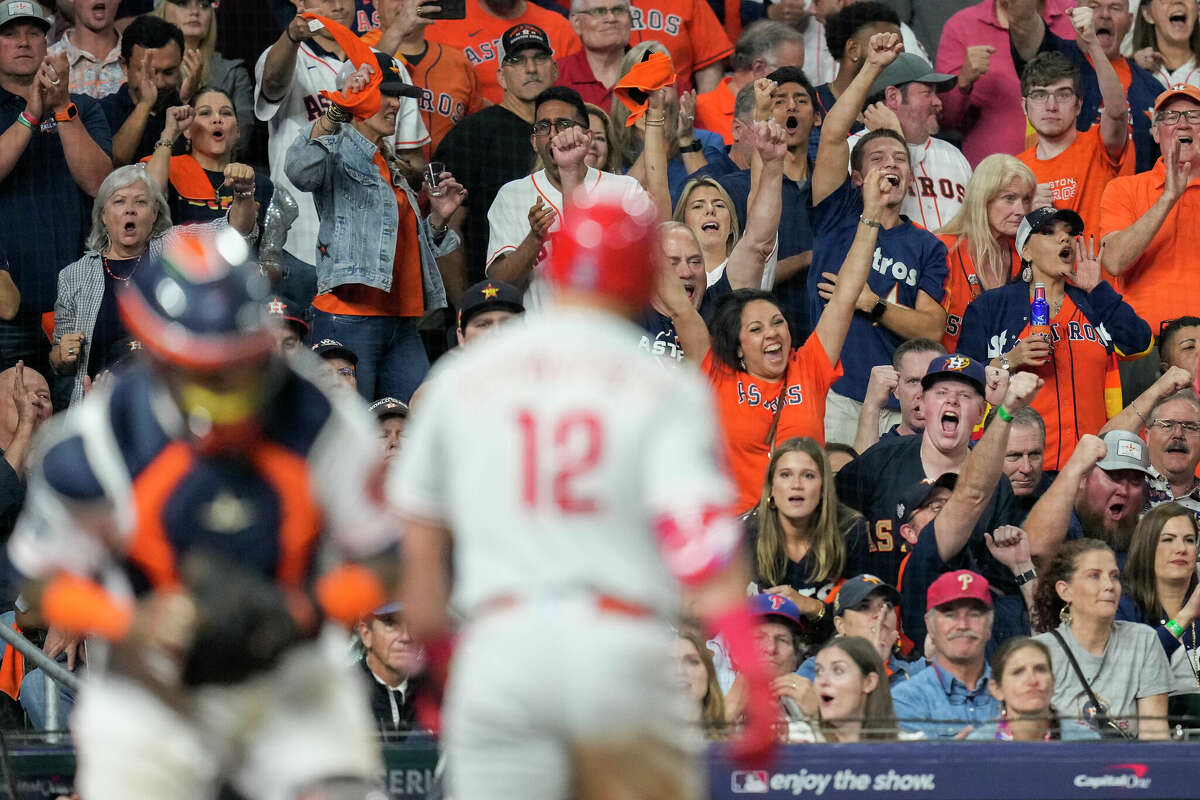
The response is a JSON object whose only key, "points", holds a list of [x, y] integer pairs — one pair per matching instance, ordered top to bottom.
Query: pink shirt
{"points": [[990, 115]]}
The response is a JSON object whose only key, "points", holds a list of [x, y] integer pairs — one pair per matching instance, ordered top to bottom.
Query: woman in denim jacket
{"points": [[377, 272]]}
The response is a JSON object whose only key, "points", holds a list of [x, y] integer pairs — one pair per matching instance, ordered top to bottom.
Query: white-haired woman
{"points": [[130, 220]]}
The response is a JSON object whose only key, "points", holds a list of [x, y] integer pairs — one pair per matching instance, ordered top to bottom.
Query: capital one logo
{"points": [[1123, 776]]}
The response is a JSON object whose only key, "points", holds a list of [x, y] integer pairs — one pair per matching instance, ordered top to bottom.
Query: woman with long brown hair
{"points": [[804, 541], [1161, 580], [1118, 663], [698, 679]]}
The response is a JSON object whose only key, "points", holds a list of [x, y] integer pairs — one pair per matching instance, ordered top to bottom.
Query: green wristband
{"points": [[1003, 414], [1174, 627]]}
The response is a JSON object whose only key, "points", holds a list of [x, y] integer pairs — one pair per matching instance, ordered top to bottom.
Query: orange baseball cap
{"points": [[1178, 90]]}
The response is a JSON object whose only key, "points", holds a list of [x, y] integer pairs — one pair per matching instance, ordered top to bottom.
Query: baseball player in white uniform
{"points": [[291, 109], [510, 213], [579, 483]]}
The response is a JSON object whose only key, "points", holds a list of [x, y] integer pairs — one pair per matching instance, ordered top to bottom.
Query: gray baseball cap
{"points": [[12, 10], [911, 68], [1125, 451]]}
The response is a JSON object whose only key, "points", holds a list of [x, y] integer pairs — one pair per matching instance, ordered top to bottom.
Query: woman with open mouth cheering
{"points": [[1087, 324]]}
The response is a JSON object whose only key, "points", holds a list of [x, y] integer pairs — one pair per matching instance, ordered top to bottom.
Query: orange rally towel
{"points": [[650, 74], [362, 104]]}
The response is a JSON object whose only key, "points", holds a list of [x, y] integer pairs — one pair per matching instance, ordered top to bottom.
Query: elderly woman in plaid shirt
{"points": [[130, 221]]}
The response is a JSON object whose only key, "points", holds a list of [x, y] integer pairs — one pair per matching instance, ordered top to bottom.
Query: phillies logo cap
{"points": [[961, 584], [776, 605]]}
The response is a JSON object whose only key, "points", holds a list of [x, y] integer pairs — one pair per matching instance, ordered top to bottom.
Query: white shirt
{"points": [[819, 64], [1188, 72], [293, 115], [940, 175], [508, 218], [769, 267], [548, 450]]}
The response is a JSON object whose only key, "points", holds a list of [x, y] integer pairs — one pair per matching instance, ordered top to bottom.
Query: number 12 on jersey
{"points": [[556, 451]]}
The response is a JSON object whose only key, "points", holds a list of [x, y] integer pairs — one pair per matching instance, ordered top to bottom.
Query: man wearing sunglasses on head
{"points": [[528, 210]]}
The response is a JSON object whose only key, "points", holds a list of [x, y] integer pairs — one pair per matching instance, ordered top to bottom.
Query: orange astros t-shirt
{"points": [[689, 29], [479, 37], [449, 87], [714, 110], [1078, 175], [1162, 283], [962, 286], [1072, 400], [747, 409]]}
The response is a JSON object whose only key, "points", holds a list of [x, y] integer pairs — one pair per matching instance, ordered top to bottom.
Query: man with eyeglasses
{"points": [[487, 21], [1111, 21], [603, 27], [93, 49], [491, 147], [1075, 167], [528, 210], [1150, 222], [1173, 436]]}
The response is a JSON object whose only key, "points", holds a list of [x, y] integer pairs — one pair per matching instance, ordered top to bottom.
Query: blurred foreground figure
{"points": [[178, 514], [569, 557]]}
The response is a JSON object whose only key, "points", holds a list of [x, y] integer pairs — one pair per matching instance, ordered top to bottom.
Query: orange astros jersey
{"points": [[689, 29], [479, 37], [449, 87]]}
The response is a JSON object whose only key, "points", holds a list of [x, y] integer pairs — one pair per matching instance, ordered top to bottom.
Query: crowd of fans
{"points": [[935, 259]]}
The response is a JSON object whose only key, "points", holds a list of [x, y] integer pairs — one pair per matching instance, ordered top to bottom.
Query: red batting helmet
{"points": [[606, 246]]}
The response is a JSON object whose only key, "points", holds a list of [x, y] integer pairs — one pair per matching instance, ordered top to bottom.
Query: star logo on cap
{"points": [[490, 292], [275, 307], [958, 363]]}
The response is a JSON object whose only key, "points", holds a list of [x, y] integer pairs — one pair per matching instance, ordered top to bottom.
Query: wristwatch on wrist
{"points": [[68, 113], [694, 147], [876, 312], [1005, 364], [1026, 577]]}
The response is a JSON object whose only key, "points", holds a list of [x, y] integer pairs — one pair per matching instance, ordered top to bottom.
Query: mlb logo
{"points": [[749, 782]]}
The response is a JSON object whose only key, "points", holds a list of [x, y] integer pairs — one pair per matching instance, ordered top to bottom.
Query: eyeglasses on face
{"points": [[601, 12], [538, 59], [1040, 96], [1192, 115], [542, 126], [346, 372], [1168, 425]]}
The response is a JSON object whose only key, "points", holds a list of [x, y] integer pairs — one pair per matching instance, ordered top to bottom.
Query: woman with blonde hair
{"points": [[203, 66], [601, 153], [980, 238], [804, 541]]}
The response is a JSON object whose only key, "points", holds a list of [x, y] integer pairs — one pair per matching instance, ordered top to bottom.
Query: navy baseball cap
{"points": [[1041, 217], [489, 296], [285, 310], [332, 348], [956, 367], [919, 495], [857, 589], [779, 607], [387, 609]]}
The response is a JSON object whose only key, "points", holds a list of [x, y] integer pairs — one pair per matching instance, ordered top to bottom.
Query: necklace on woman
{"points": [[106, 263]]}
